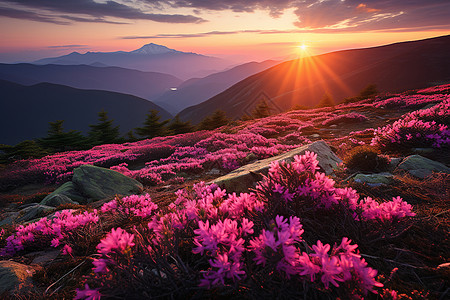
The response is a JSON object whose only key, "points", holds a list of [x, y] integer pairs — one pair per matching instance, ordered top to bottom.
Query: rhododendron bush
{"points": [[422, 128], [209, 241]]}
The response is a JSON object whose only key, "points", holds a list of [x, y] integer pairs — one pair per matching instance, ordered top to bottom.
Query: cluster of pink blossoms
{"points": [[423, 128], [300, 182], [134, 205], [53, 232]]}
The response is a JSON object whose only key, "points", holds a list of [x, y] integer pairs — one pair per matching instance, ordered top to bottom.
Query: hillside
{"points": [[149, 58], [392, 68], [147, 85], [196, 90], [31, 108], [212, 214]]}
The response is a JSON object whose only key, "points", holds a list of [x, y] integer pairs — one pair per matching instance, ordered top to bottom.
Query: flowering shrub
{"points": [[440, 89], [404, 101], [346, 118], [406, 133], [53, 232], [216, 241]]}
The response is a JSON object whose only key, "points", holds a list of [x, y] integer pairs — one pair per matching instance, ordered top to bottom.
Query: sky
{"points": [[239, 30]]}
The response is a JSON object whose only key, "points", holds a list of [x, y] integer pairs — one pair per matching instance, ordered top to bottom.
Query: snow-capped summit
{"points": [[153, 49]]}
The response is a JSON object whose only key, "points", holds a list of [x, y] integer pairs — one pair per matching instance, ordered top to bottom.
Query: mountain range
{"points": [[149, 58], [305, 81], [147, 85], [196, 90], [27, 110]]}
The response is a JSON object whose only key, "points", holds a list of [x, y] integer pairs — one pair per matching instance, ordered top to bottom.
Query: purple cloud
{"points": [[98, 11]]}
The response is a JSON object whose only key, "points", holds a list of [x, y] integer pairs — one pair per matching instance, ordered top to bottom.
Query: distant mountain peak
{"points": [[153, 49]]}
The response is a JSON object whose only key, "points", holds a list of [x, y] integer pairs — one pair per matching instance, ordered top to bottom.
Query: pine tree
{"points": [[368, 92], [326, 101], [262, 110], [216, 120], [152, 126], [177, 126], [103, 132], [57, 140], [23, 150]]}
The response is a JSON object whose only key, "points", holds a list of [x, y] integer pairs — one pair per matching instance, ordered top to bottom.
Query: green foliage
{"points": [[327, 101], [216, 120], [152, 126], [177, 126], [103, 132], [58, 141], [23, 150], [364, 158]]}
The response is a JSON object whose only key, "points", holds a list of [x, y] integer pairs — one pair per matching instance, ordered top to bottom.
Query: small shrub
{"points": [[366, 159]]}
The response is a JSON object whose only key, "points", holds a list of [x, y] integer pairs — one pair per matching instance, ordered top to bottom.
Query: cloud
{"points": [[98, 11], [29, 15], [336, 15], [188, 35], [68, 47]]}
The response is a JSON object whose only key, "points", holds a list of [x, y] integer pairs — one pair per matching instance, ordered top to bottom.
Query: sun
{"points": [[303, 47]]}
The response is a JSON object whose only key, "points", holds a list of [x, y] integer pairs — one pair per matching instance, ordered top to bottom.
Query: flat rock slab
{"points": [[422, 167], [246, 176], [374, 179], [96, 183], [33, 212], [14, 276]]}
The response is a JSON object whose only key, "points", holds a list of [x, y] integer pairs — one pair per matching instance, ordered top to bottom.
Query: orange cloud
{"points": [[363, 7]]}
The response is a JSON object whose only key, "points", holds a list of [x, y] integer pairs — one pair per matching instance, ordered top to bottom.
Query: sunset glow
{"points": [[236, 30]]}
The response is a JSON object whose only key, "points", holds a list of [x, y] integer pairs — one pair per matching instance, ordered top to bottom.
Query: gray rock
{"points": [[423, 150], [394, 162], [422, 167], [246, 176], [374, 179], [96, 183], [69, 190], [56, 200], [33, 212], [9, 218], [43, 257], [14, 276]]}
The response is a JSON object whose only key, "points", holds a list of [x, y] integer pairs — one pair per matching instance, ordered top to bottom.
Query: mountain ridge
{"points": [[393, 67], [31, 108]]}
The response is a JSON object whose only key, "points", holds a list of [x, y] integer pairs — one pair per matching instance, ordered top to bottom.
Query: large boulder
{"points": [[422, 167], [246, 176], [96, 183], [69, 190], [14, 277]]}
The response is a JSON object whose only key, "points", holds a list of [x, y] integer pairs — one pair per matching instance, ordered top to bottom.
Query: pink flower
{"points": [[117, 239], [67, 250], [321, 250], [100, 265], [88, 293]]}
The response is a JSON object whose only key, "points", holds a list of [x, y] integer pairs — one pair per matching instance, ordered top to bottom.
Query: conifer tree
{"points": [[368, 92], [326, 101], [262, 110], [216, 120], [152, 126], [177, 126], [103, 132], [57, 140], [23, 150]]}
